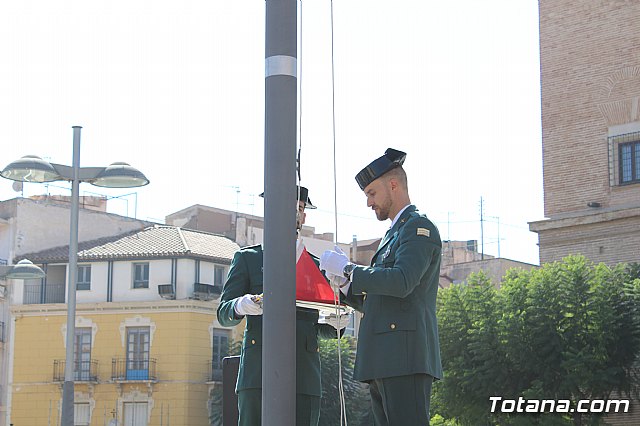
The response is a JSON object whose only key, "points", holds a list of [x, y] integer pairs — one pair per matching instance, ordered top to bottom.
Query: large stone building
{"points": [[590, 74], [590, 80]]}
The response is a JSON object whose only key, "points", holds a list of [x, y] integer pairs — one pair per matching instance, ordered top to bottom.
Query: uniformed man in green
{"points": [[240, 298], [398, 351]]}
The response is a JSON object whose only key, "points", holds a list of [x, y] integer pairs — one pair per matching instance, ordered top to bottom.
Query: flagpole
{"points": [[279, 317]]}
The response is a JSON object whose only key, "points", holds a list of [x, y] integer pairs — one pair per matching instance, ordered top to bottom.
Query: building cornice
{"points": [[585, 218], [165, 306]]}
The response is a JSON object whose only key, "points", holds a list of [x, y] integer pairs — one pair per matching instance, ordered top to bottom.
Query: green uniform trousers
{"points": [[402, 400], [250, 408]]}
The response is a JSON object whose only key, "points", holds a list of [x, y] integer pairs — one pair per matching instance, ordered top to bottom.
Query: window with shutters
{"points": [[624, 159], [629, 162], [141, 275], [84, 277], [138, 339], [220, 350], [82, 354], [135, 413], [81, 414]]}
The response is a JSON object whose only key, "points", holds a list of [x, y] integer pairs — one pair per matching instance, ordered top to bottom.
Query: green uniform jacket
{"points": [[245, 277], [398, 332]]}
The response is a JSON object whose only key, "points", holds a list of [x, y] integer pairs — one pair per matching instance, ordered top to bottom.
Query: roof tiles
{"points": [[159, 241]]}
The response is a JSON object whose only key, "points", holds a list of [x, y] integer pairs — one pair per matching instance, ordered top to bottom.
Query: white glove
{"points": [[334, 261], [338, 282], [249, 304], [338, 322]]}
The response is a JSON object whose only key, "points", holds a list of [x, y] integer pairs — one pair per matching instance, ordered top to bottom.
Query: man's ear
{"points": [[393, 183]]}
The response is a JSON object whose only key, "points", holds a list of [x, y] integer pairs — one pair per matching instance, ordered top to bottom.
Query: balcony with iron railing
{"points": [[166, 291], [200, 291], [206, 291], [49, 293], [123, 370], [84, 371]]}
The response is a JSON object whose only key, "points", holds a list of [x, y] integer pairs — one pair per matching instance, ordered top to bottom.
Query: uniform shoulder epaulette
{"points": [[416, 214], [421, 219]]}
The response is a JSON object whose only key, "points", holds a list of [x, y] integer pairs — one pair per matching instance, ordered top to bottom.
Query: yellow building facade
{"points": [[148, 348], [168, 382]]}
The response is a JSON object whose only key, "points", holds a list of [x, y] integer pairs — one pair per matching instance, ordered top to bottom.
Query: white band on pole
{"points": [[280, 65]]}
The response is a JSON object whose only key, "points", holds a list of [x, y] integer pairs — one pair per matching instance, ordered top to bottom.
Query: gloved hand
{"points": [[333, 261], [338, 282], [249, 304], [338, 322]]}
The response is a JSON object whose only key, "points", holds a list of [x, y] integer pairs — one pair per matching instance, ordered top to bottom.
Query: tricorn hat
{"points": [[391, 159], [302, 194]]}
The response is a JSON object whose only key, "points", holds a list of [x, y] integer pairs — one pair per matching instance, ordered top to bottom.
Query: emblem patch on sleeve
{"points": [[423, 231]]}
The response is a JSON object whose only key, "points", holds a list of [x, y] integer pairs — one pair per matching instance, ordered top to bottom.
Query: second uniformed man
{"points": [[240, 299]]}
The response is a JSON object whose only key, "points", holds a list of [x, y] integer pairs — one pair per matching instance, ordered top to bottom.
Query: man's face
{"points": [[378, 195], [300, 215]]}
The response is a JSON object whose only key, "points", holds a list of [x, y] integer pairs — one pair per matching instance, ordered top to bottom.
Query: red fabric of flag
{"points": [[311, 285]]}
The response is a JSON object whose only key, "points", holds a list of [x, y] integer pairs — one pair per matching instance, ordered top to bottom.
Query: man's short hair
{"points": [[399, 174]]}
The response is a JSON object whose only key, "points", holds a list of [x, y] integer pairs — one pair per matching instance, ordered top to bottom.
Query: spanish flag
{"points": [[311, 285]]}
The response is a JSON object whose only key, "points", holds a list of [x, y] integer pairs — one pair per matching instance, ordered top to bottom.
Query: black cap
{"points": [[391, 159], [303, 194]]}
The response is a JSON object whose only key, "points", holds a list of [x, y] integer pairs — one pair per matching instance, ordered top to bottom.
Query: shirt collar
{"points": [[395, 219]]}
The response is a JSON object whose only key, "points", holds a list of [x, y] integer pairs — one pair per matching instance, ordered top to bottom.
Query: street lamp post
{"points": [[117, 175]]}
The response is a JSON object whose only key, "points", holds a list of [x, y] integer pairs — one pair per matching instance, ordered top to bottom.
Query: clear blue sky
{"points": [[177, 90]]}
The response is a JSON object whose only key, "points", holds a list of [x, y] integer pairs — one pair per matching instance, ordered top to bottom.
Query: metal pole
{"points": [[481, 230], [498, 237], [354, 249], [279, 317], [68, 387]]}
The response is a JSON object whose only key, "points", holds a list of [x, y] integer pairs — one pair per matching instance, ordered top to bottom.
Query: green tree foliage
{"points": [[568, 330], [469, 341], [356, 395]]}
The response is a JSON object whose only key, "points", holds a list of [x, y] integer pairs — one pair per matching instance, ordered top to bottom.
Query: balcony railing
{"points": [[166, 291], [206, 291], [34, 294], [123, 370], [84, 371]]}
